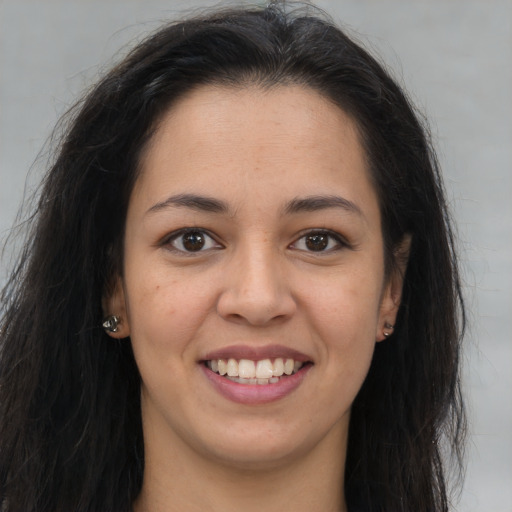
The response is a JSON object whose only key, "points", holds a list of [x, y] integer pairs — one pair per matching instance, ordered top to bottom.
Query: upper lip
{"points": [[256, 353]]}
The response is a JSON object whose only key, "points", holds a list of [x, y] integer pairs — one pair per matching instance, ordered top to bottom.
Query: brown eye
{"points": [[192, 240], [317, 242], [320, 242]]}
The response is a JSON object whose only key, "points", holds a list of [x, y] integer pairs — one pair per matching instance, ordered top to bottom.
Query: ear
{"points": [[392, 293], [114, 303]]}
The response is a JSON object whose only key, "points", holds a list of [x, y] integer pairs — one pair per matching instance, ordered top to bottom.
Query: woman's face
{"points": [[253, 237]]}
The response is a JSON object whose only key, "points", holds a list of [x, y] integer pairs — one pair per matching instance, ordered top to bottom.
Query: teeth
{"points": [[223, 367], [278, 367], [232, 368], [264, 369], [246, 371], [239, 380]]}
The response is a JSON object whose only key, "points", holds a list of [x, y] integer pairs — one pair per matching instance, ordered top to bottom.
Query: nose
{"points": [[257, 290]]}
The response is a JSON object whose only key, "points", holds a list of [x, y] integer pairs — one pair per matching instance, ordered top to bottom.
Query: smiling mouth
{"points": [[249, 372]]}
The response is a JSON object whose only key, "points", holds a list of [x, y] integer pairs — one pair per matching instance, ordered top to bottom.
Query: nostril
{"points": [[263, 302]]}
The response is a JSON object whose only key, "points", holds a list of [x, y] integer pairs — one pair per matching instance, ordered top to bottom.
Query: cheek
{"points": [[346, 303], [163, 312], [344, 317]]}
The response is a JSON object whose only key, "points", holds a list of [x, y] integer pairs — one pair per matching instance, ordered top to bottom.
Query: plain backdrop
{"points": [[454, 57]]}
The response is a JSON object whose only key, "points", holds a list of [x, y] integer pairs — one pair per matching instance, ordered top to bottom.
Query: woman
{"points": [[239, 290]]}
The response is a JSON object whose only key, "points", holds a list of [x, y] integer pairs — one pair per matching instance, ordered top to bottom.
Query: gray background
{"points": [[454, 56]]}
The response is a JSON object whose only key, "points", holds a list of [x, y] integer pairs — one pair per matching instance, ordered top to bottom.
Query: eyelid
{"points": [[171, 237], [341, 241], [166, 242]]}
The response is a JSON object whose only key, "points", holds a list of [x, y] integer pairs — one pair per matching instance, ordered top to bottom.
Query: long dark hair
{"points": [[70, 425]]}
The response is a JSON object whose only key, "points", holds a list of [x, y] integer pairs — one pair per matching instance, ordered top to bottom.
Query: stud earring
{"points": [[111, 323], [387, 333]]}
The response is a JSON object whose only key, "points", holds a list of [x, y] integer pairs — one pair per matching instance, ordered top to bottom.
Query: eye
{"points": [[192, 240], [319, 241]]}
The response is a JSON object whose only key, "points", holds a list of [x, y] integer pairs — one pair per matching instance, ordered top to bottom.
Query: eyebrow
{"points": [[193, 202], [316, 203], [296, 205]]}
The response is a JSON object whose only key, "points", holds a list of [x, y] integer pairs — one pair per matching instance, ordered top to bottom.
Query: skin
{"points": [[255, 283]]}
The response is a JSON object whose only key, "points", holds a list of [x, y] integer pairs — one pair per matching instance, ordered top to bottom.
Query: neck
{"points": [[178, 478]]}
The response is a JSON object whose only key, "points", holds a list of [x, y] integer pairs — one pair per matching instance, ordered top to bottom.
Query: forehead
{"points": [[255, 115], [245, 141]]}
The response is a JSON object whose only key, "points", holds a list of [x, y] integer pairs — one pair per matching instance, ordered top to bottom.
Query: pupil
{"points": [[193, 241], [317, 242]]}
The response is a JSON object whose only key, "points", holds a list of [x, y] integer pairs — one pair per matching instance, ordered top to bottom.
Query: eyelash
{"points": [[178, 235], [169, 241], [340, 242]]}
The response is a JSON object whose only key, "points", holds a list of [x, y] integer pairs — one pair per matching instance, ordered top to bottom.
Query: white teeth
{"points": [[223, 367], [278, 367], [232, 368], [246, 369], [264, 369], [238, 380]]}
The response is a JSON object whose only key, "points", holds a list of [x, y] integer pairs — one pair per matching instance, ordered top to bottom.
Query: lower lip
{"points": [[256, 393]]}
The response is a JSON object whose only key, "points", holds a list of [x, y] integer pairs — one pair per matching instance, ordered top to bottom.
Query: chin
{"points": [[262, 445]]}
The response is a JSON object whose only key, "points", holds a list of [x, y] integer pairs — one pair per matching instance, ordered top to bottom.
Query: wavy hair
{"points": [[70, 421]]}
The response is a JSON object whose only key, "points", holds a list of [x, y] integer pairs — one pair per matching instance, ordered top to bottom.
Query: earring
{"points": [[111, 323], [390, 328]]}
